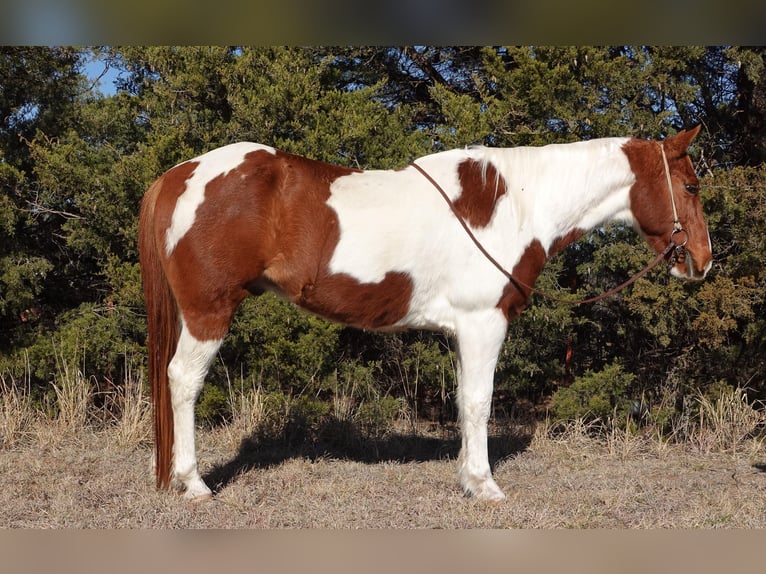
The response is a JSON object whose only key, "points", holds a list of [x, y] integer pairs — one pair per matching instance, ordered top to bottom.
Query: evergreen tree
{"points": [[39, 92], [75, 165]]}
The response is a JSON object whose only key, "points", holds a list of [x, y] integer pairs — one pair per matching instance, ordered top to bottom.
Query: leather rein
{"points": [[674, 252]]}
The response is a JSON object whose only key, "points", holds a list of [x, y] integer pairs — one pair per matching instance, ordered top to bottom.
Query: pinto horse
{"points": [[384, 250]]}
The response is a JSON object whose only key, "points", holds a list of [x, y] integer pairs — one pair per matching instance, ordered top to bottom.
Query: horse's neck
{"points": [[560, 189]]}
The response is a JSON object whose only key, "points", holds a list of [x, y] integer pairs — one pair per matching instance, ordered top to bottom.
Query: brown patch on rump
{"points": [[173, 184], [482, 188], [266, 225], [307, 236], [195, 293], [515, 297]]}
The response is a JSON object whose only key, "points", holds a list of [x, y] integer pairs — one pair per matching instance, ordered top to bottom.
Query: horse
{"points": [[384, 250]]}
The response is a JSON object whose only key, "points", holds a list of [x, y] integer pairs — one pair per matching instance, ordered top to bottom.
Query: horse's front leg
{"points": [[480, 336]]}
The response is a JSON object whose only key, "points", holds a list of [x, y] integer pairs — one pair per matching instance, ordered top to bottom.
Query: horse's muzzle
{"points": [[689, 270]]}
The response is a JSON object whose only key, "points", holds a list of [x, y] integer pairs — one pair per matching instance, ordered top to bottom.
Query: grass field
{"points": [[83, 468]]}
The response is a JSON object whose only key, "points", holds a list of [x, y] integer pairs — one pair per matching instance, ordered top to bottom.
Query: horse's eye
{"points": [[691, 188]]}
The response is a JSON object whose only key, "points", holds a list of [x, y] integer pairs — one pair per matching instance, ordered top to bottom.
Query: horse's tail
{"points": [[163, 331]]}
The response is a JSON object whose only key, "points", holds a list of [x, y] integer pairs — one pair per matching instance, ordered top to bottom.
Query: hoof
{"points": [[485, 490], [197, 491], [491, 497], [199, 498], [494, 501]]}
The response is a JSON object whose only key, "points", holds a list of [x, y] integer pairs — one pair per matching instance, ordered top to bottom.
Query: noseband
{"points": [[675, 251]]}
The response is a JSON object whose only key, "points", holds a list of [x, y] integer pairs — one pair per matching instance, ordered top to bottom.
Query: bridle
{"points": [[679, 249], [673, 253]]}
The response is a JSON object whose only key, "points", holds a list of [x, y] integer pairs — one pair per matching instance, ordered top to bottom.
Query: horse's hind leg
{"points": [[480, 336], [186, 374]]}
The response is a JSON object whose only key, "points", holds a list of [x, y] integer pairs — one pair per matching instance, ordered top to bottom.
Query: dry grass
{"points": [[129, 412], [17, 413], [58, 474]]}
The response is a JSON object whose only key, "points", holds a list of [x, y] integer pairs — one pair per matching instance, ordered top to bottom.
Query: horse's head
{"points": [[665, 215]]}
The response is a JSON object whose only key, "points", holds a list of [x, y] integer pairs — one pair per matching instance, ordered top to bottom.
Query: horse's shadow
{"points": [[261, 452]]}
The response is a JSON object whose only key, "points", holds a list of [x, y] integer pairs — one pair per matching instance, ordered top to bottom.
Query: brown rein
{"points": [[673, 252]]}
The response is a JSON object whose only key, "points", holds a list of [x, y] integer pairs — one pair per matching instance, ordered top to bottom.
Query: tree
{"points": [[39, 90], [750, 102], [76, 164]]}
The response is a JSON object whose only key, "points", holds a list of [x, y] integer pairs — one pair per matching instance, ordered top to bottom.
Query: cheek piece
{"points": [[676, 250]]}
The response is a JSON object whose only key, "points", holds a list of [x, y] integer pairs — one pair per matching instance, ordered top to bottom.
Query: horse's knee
{"points": [[184, 387], [474, 409]]}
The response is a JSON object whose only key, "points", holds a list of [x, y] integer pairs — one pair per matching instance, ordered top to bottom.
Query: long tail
{"points": [[163, 331]]}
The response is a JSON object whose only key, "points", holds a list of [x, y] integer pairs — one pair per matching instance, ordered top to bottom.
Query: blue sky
{"points": [[94, 68]]}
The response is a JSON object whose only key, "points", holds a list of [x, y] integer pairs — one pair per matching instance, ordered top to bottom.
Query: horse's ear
{"points": [[692, 133], [679, 143]]}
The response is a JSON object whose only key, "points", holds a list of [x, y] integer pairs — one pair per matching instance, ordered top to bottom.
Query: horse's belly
{"points": [[342, 298]]}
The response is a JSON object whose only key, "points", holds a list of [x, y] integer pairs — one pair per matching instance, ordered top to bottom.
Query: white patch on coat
{"points": [[210, 165], [567, 186], [396, 221]]}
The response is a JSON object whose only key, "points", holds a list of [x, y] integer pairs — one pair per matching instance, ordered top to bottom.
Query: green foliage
{"points": [[463, 120], [75, 165], [21, 282], [721, 314], [103, 338], [284, 348], [422, 369], [527, 369], [595, 395], [212, 405], [306, 415], [375, 418]]}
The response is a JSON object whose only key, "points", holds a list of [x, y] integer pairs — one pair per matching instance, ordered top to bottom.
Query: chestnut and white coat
{"points": [[382, 250]]}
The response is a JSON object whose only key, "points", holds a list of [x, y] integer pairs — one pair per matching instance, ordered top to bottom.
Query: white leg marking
{"points": [[210, 165], [480, 336], [187, 373]]}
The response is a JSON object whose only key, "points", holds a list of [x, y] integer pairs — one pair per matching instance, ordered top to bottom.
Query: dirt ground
{"points": [[88, 481]]}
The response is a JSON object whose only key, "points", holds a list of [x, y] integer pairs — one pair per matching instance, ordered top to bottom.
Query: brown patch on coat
{"points": [[171, 185], [481, 190], [653, 213], [266, 225], [561, 243], [515, 297], [367, 305]]}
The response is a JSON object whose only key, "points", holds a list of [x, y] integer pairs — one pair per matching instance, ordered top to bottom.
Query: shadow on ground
{"points": [[344, 442]]}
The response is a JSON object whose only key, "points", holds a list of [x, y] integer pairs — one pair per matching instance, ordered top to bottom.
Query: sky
{"points": [[94, 68]]}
